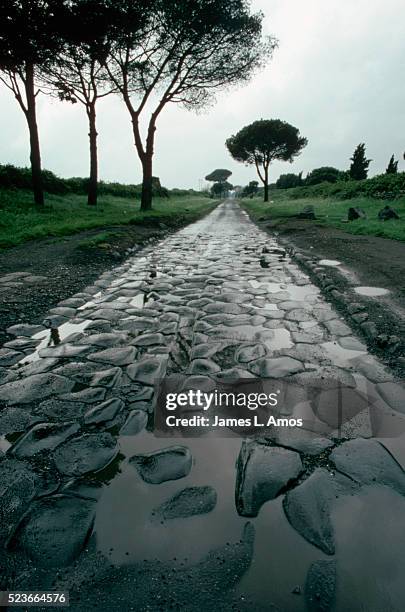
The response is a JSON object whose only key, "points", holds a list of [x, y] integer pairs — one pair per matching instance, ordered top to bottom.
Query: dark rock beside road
{"points": [[308, 212], [355, 213], [387, 213]]}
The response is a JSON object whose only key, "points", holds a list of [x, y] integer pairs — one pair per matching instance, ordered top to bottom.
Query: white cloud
{"points": [[337, 76]]}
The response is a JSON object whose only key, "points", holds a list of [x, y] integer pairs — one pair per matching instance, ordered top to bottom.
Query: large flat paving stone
{"points": [[338, 328], [25, 329], [105, 340], [64, 351], [250, 352], [9, 356], [115, 356], [278, 367], [147, 370], [80, 371], [38, 386], [394, 394], [59, 410], [103, 412], [15, 419], [135, 423], [43, 437], [86, 453], [368, 462], [165, 464], [262, 472], [18, 486], [185, 503], [309, 506], [55, 530], [320, 586]]}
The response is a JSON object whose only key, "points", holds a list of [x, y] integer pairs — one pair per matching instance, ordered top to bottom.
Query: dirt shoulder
{"points": [[365, 261], [377, 262], [60, 267]]}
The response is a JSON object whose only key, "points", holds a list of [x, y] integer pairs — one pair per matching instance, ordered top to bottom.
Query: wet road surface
{"points": [[94, 503]]}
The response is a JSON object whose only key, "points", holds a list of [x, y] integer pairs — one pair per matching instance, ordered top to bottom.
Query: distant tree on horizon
{"points": [[265, 141], [359, 166], [392, 167], [324, 174], [218, 176], [289, 180], [220, 189], [251, 189]]}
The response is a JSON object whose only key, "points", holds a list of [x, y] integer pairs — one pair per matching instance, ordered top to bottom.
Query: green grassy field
{"points": [[331, 212], [21, 221]]}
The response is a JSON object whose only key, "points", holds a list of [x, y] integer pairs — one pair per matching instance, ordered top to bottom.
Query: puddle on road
{"points": [[330, 262], [371, 291], [297, 292], [301, 292], [139, 300], [92, 302], [269, 306], [52, 337], [280, 340], [340, 356], [7, 440], [4, 444], [133, 500], [126, 532], [186, 541]]}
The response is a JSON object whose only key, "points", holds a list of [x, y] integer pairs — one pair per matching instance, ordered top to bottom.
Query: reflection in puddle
{"points": [[329, 262], [371, 291], [301, 292], [139, 300], [92, 302], [270, 306], [53, 337], [280, 340], [340, 356], [7, 440], [4, 444], [136, 537], [371, 549]]}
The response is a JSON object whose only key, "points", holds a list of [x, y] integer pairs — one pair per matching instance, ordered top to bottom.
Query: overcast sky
{"points": [[338, 75]]}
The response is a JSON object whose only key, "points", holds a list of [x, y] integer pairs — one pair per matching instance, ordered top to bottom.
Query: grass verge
{"points": [[331, 212], [63, 215]]}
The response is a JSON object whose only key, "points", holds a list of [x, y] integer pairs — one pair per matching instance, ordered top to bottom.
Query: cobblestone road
{"points": [[309, 518]]}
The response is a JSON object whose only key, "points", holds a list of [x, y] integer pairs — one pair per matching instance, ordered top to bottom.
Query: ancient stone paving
{"points": [[216, 301]]}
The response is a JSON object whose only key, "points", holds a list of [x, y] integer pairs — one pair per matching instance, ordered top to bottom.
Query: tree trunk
{"points": [[35, 152], [147, 164], [93, 179], [266, 185], [266, 192], [146, 199]]}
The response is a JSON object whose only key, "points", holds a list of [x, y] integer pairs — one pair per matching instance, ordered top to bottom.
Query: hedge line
{"points": [[12, 177], [383, 186]]}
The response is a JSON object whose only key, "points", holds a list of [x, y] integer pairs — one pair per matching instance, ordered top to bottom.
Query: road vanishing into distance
{"points": [[95, 503]]}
